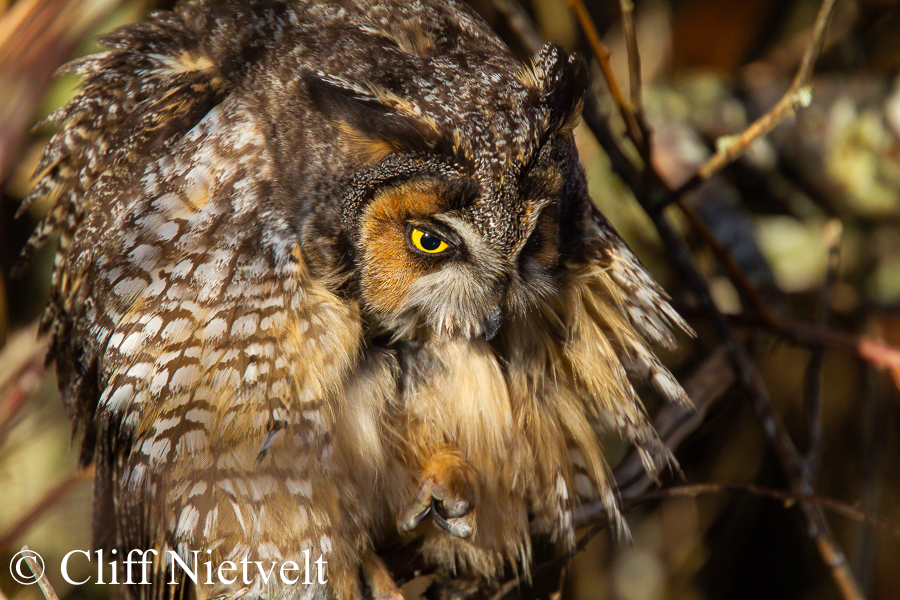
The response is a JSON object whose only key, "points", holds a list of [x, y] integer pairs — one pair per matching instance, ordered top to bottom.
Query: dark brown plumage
{"points": [[328, 275]]}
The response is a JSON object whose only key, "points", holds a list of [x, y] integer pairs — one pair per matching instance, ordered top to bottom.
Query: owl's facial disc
{"points": [[424, 269]]}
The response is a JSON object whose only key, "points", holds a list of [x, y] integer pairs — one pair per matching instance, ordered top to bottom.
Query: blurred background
{"points": [[810, 215]]}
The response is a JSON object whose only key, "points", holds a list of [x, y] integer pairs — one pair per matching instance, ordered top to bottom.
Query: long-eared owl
{"points": [[329, 277]]}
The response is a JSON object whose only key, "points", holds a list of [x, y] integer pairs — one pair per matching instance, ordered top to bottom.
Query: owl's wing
{"points": [[148, 89], [648, 308], [613, 311], [201, 356], [578, 362]]}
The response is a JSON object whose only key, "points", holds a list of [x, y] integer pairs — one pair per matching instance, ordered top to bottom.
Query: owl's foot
{"points": [[448, 493]]}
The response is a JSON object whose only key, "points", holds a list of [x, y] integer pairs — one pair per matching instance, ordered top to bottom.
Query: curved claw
{"points": [[448, 493], [414, 516], [462, 526]]}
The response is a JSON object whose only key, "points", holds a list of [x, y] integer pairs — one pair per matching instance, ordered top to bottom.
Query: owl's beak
{"points": [[493, 324]]}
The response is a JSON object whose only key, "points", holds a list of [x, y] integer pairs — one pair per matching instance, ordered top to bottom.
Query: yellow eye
{"points": [[424, 241]]}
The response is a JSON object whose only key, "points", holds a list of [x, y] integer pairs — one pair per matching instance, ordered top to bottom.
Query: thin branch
{"points": [[36, 37], [602, 54], [635, 87], [797, 96], [652, 195], [747, 290], [749, 293], [19, 350], [878, 354], [24, 357], [29, 378], [750, 382], [705, 386], [813, 399], [871, 467], [53, 497], [836, 506], [874, 522], [559, 561], [40, 572]]}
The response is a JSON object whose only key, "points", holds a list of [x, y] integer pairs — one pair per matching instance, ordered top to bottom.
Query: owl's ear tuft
{"points": [[559, 82], [372, 121]]}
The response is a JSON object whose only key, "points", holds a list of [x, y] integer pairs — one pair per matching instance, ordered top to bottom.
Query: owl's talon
{"points": [[448, 493], [414, 516], [461, 526]]}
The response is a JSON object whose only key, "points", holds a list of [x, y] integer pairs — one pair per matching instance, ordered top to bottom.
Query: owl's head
{"points": [[455, 213]]}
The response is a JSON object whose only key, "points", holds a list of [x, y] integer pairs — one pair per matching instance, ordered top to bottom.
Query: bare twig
{"points": [[36, 37], [602, 54], [635, 87], [797, 96], [652, 195], [747, 290], [19, 350], [878, 354], [23, 364], [750, 382], [813, 400], [871, 463], [50, 499], [629, 501], [836, 506], [563, 560], [40, 572]]}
